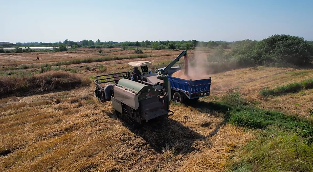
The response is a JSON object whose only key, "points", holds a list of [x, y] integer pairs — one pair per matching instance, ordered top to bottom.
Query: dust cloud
{"points": [[197, 68]]}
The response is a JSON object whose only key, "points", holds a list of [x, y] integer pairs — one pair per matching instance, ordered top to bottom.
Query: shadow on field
{"points": [[210, 107], [215, 109], [165, 134]]}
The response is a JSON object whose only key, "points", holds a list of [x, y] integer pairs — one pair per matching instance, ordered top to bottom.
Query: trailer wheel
{"points": [[178, 98]]}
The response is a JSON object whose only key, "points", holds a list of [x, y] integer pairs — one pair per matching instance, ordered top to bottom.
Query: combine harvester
{"points": [[142, 96]]}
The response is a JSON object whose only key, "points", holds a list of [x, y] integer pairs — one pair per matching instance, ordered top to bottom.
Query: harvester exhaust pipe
{"points": [[186, 64]]}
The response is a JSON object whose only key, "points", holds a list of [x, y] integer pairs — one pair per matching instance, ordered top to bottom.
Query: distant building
{"points": [[5, 43]]}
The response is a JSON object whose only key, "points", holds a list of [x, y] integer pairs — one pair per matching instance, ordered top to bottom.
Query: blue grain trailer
{"points": [[184, 90]]}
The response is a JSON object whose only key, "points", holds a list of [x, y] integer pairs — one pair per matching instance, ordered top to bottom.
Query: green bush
{"points": [[212, 44], [158, 46], [124, 47], [285, 48], [281, 49], [1, 50], [18, 50], [138, 51], [243, 51], [23, 66], [45, 68], [102, 68], [233, 99]]}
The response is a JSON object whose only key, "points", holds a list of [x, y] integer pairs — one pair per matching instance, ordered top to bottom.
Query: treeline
{"points": [[156, 45], [277, 49]]}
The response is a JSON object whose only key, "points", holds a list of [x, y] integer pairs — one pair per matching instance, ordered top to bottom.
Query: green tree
{"points": [[65, 42], [98, 42], [85, 43], [90, 43], [147, 43], [194, 43], [137, 44], [143, 44], [212, 44], [155, 45], [172, 45], [224, 45], [124, 46], [188, 46], [62, 47], [74, 47], [161, 47], [284, 48], [244, 52]]}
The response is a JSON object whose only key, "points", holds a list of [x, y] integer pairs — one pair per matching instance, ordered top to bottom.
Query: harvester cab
{"points": [[136, 75]]}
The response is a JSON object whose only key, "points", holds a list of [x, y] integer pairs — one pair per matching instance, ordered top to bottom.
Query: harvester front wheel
{"points": [[97, 93]]}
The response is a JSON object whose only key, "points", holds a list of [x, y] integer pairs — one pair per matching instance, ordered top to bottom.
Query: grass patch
{"points": [[102, 68], [16, 73], [299, 73], [49, 81], [289, 88], [242, 113], [260, 119], [284, 142], [275, 150]]}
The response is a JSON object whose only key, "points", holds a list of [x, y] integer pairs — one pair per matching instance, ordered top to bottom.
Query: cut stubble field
{"points": [[72, 131]]}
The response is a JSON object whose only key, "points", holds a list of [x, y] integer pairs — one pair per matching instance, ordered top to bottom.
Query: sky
{"points": [[154, 20]]}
